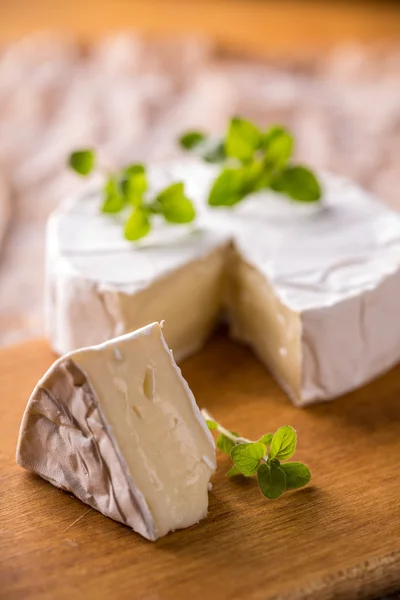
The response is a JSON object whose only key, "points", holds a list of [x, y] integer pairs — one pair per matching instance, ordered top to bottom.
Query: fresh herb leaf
{"points": [[191, 139], [242, 140], [278, 145], [212, 150], [82, 161], [265, 163], [134, 169], [297, 182], [134, 184], [129, 187], [226, 189], [113, 200], [175, 206], [138, 225], [211, 424], [266, 439], [283, 443], [225, 444], [247, 457], [250, 458], [233, 471], [297, 474], [272, 481]]}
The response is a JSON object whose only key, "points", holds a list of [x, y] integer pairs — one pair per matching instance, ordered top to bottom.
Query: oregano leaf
{"points": [[191, 139], [242, 140], [278, 145], [212, 150], [82, 161], [297, 182], [134, 184], [226, 189], [113, 200], [175, 206], [138, 225], [211, 424], [266, 438], [283, 443], [225, 444], [247, 457], [233, 471], [297, 474], [272, 481]]}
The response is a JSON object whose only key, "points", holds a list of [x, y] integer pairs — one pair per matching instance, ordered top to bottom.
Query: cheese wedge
{"points": [[313, 289], [118, 426]]}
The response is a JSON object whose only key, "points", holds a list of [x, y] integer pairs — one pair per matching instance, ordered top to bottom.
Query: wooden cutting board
{"points": [[337, 538]]}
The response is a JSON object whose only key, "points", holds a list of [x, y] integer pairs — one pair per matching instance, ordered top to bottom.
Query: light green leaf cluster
{"points": [[253, 159], [127, 189], [263, 459]]}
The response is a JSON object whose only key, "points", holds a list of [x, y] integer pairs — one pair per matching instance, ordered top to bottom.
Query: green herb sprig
{"points": [[252, 160], [127, 191], [263, 458]]}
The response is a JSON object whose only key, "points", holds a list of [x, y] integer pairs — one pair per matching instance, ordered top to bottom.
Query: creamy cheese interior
{"points": [[189, 300], [258, 318], [156, 424]]}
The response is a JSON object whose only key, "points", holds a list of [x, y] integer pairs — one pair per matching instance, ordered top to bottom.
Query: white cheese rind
{"points": [[311, 288], [132, 445]]}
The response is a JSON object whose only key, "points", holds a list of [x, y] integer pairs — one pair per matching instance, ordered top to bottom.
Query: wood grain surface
{"points": [[256, 27], [337, 538]]}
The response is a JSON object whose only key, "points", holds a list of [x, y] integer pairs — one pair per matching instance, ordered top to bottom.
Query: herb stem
{"points": [[231, 436]]}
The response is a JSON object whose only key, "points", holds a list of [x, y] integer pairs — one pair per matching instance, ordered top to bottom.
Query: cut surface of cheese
{"points": [[311, 288], [118, 426]]}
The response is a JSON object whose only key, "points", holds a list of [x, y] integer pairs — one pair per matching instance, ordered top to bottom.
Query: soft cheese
{"points": [[100, 286], [313, 289], [118, 426]]}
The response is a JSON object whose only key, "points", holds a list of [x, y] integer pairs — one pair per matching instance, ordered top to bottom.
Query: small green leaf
{"points": [[275, 131], [191, 139], [242, 140], [278, 144], [212, 150], [82, 161], [134, 169], [251, 175], [297, 182], [134, 184], [226, 189], [113, 200], [175, 206], [137, 225], [211, 424], [266, 439], [283, 443], [225, 444], [247, 457], [233, 471], [297, 474], [272, 481]]}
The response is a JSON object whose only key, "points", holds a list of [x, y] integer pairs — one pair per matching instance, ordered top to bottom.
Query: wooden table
{"points": [[256, 27], [338, 538]]}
